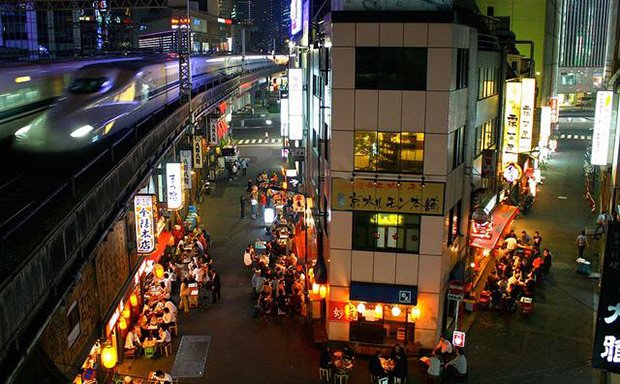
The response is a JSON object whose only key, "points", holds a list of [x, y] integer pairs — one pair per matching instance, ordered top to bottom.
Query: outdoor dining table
{"points": [[149, 348]]}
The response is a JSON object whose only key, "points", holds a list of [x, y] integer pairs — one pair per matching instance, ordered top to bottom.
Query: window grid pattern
{"points": [[488, 82], [486, 135], [377, 231]]}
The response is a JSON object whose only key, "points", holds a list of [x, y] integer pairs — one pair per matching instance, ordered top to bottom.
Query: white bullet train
{"points": [[105, 98]]}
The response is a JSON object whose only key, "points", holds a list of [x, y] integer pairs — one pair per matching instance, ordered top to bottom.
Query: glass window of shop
{"points": [[390, 68], [486, 135], [389, 152], [386, 232], [386, 324]]}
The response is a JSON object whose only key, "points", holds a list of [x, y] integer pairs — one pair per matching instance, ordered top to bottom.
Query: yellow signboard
{"points": [[388, 196]]}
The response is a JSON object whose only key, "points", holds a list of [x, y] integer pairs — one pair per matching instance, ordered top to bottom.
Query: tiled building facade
{"points": [[399, 189]]}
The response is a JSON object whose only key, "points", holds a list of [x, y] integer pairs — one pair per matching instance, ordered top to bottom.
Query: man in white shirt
{"points": [[511, 243], [170, 305], [132, 342], [434, 366], [457, 367], [162, 377]]}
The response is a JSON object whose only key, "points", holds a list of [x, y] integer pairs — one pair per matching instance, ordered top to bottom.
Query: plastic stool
{"points": [[149, 352], [325, 374], [341, 378], [400, 380]]}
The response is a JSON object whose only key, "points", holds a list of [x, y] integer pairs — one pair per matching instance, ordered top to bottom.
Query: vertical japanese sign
{"points": [[296, 17], [528, 93], [295, 104], [553, 104], [284, 117], [511, 122], [545, 127], [602, 127], [197, 151], [186, 158], [174, 185], [299, 203], [145, 223], [606, 350]]}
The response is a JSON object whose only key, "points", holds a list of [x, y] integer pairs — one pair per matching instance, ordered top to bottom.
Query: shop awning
{"points": [[501, 217], [162, 243], [384, 293]]}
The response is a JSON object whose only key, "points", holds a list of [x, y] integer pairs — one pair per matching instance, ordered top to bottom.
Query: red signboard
{"points": [[458, 339]]}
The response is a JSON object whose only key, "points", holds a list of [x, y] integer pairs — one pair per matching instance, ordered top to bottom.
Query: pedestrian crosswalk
{"points": [[575, 137], [260, 142]]}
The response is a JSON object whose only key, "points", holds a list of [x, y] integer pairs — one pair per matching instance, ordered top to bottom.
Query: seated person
{"points": [[169, 318], [164, 337], [132, 342], [444, 348], [325, 359], [434, 366], [457, 367], [162, 377]]}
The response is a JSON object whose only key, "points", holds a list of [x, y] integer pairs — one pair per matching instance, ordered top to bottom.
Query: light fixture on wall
{"points": [[352, 177], [399, 178], [375, 181], [423, 184]]}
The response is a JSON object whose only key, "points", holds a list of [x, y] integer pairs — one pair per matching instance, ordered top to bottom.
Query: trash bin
{"points": [[583, 266]]}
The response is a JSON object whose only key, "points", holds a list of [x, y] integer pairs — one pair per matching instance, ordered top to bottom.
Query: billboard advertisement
{"points": [[296, 16], [545, 126], [602, 128]]}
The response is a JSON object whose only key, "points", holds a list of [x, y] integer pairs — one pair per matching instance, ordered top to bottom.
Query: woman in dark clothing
{"points": [[325, 359], [374, 366]]}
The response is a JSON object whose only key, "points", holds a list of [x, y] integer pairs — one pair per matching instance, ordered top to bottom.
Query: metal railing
{"points": [[36, 288]]}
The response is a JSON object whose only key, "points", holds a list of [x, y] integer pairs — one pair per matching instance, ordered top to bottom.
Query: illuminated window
{"points": [[488, 82], [486, 135], [365, 150], [389, 152], [386, 231]]}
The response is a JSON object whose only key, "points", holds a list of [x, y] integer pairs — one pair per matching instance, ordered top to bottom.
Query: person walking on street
{"points": [[244, 167], [242, 202], [582, 243], [216, 285]]}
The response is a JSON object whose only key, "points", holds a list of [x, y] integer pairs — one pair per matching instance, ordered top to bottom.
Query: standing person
{"points": [[244, 167], [242, 202], [601, 223], [537, 240], [581, 242], [216, 286], [184, 293]]}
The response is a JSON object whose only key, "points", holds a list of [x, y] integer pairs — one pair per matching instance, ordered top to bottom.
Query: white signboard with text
{"points": [[528, 93], [295, 104], [284, 117], [511, 121], [545, 126], [602, 128], [197, 150], [186, 158], [174, 185], [145, 227]]}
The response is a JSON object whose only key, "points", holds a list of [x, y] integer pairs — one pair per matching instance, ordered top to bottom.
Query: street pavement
{"points": [[553, 345]]}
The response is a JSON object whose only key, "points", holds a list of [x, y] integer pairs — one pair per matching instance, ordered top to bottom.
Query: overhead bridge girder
{"points": [[71, 5]]}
